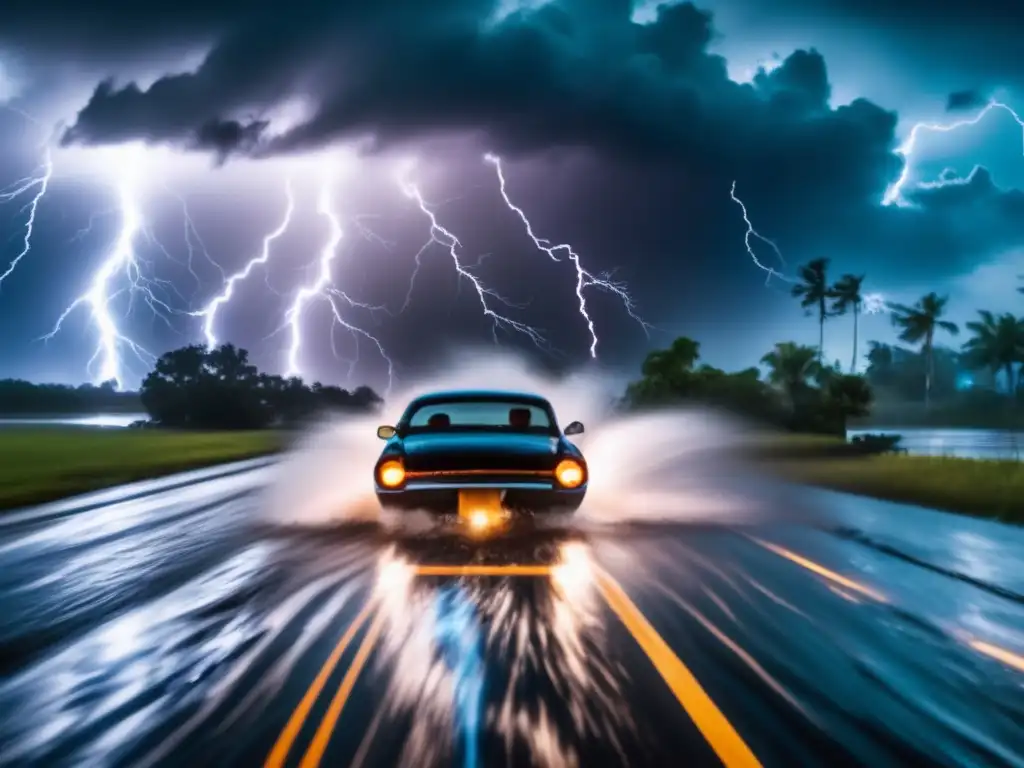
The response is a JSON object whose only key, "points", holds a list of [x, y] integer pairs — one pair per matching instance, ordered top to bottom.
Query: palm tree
{"points": [[813, 291], [847, 297], [919, 324], [997, 344], [879, 356], [791, 367]]}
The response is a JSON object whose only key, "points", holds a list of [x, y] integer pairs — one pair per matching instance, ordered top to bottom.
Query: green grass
{"points": [[39, 464], [992, 489]]}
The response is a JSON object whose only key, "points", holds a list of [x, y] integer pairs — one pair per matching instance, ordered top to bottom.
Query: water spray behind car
{"points": [[669, 465]]}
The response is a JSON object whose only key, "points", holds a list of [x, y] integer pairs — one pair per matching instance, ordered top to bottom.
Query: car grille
{"points": [[454, 462]]}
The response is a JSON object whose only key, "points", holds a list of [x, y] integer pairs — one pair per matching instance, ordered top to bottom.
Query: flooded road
{"points": [[174, 627]]}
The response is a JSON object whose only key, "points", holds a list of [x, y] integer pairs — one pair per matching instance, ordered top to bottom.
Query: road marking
{"points": [[483, 570], [821, 570], [1009, 658], [717, 730], [318, 746], [279, 753]]}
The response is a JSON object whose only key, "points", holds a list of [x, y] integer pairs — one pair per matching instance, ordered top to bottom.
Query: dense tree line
{"points": [[925, 371], [976, 383], [199, 388], [799, 393], [23, 398]]}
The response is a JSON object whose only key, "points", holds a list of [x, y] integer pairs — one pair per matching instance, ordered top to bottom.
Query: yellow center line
{"points": [[483, 570], [821, 570], [1009, 658], [717, 730], [323, 734], [279, 753]]}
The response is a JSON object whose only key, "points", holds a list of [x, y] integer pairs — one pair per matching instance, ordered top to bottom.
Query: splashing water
{"points": [[669, 465]]}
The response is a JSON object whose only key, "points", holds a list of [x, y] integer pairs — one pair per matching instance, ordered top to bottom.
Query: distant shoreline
{"points": [[73, 414], [891, 428]]}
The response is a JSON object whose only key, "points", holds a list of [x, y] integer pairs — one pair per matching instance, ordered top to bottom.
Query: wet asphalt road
{"points": [[175, 629]]}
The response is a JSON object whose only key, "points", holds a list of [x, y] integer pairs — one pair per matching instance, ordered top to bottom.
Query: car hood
{"points": [[480, 443]]}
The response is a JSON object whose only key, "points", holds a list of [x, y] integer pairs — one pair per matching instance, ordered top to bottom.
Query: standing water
{"points": [[993, 444]]}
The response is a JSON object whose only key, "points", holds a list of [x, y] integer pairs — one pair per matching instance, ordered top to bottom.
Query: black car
{"points": [[477, 453]]}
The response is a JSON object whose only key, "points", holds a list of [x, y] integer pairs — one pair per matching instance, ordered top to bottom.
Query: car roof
{"points": [[480, 394]]}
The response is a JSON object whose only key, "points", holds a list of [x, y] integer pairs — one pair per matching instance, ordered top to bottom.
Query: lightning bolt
{"points": [[39, 184], [894, 194], [359, 222], [752, 233], [444, 238], [193, 242], [121, 259], [584, 279], [322, 288], [874, 304], [209, 312]]}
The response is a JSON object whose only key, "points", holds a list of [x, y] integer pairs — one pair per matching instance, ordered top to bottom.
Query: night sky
{"points": [[621, 129]]}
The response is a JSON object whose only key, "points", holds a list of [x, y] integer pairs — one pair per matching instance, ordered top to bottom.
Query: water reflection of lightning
{"points": [[894, 194], [444, 238], [122, 258], [584, 279], [322, 287], [209, 312], [457, 634], [551, 634]]}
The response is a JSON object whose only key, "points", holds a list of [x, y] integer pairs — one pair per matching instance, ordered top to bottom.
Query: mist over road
{"points": [[179, 627]]}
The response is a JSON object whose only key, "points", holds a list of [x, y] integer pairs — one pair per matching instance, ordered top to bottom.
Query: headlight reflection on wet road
{"points": [[444, 621]]}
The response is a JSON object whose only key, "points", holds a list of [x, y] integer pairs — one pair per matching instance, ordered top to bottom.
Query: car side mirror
{"points": [[575, 428], [386, 433]]}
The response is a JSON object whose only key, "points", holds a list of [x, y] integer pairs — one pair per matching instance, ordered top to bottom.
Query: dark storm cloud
{"points": [[99, 25], [976, 42], [570, 74], [564, 75], [959, 101]]}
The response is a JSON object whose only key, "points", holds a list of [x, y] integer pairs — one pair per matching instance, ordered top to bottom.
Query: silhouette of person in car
{"points": [[519, 418], [439, 421]]}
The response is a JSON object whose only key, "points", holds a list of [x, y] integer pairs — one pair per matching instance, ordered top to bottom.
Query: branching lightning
{"points": [[37, 186], [894, 194], [753, 233], [444, 238], [193, 242], [121, 259], [584, 279], [323, 287], [872, 304], [209, 312]]}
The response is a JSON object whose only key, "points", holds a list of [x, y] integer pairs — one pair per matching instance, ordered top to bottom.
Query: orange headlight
{"points": [[569, 473], [391, 474]]}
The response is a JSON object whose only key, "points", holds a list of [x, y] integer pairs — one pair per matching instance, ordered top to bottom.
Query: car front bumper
{"points": [[443, 497]]}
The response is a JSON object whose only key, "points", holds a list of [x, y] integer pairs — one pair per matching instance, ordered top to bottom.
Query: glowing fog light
{"points": [[569, 473], [391, 474], [479, 520]]}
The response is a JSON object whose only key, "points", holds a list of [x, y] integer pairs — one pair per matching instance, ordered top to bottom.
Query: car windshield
{"points": [[505, 415]]}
